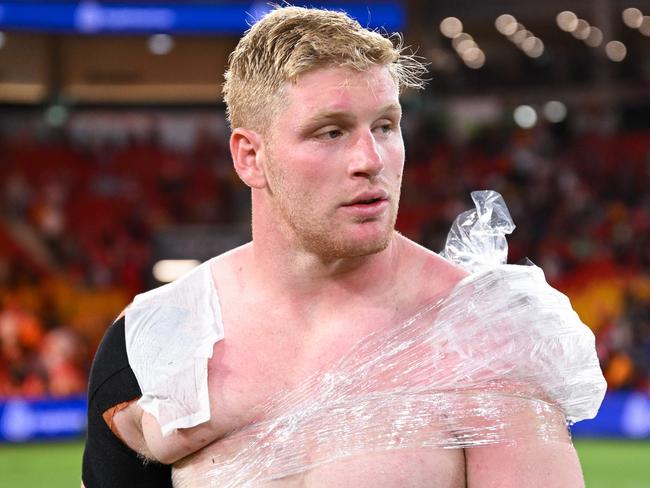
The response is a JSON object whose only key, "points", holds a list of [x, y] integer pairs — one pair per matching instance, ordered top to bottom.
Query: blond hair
{"points": [[288, 42]]}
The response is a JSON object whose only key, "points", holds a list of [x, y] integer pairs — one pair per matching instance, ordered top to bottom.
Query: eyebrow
{"points": [[345, 115]]}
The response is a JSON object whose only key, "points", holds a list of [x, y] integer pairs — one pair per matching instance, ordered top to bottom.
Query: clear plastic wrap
{"points": [[477, 239], [500, 358]]}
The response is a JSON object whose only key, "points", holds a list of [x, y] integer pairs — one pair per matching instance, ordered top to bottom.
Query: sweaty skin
{"points": [[324, 269]]}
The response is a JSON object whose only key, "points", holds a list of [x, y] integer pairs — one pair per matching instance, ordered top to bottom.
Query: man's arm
{"points": [[141, 432], [540, 454]]}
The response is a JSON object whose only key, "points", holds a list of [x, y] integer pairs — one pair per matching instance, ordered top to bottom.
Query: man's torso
{"points": [[271, 347]]}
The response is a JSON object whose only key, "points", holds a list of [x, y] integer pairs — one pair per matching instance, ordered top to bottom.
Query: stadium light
{"points": [[632, 17], [567, 21], [506, 24], [450, 27], [644, 28], [514, 29], [581, 30], [517, 33], [591, 35], [520, 36], [595, 37], [460, 38], [160, 44], [465, 45], [533, 47], [468, 50], [616, 51], [471, 55], [477, 60], [554, 111], [56, 115], [525, 116], [167, 270]]}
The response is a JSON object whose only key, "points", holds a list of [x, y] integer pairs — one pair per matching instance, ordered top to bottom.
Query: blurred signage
{"points": [[90, 17], [622, 414], [27, 420]]}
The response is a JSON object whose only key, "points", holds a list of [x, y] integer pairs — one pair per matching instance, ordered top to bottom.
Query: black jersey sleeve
{"points": [[107, 461]]}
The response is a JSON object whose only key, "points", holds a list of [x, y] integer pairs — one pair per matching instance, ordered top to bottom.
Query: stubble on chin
{"points": [[316, 233], [331, 244]]}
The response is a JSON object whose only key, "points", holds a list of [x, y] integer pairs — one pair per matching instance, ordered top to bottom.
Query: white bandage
{"points": [[170, 334]]}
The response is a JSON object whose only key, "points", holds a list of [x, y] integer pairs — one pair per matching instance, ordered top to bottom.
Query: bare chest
{"points": [[265, 359], [258, 375], [439, 468]]}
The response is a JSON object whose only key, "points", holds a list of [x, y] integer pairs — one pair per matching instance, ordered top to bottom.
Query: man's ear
{"points": [[246, 150]]}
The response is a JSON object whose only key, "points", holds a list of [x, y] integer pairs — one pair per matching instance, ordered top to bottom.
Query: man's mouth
{"points": [[368, 198], [367, 201], [369, 205]]}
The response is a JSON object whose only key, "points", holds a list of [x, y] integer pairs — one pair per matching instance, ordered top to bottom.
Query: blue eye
{"points": [[333, 134]]}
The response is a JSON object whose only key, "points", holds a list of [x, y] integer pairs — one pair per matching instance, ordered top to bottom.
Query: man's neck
{"points": [[302, 272]]}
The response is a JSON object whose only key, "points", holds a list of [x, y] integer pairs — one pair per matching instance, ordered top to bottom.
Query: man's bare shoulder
{"points": [[227, 267], [428, 269]]}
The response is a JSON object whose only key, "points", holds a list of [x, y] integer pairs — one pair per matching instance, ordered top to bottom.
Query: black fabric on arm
{"points": [[107, 461]]}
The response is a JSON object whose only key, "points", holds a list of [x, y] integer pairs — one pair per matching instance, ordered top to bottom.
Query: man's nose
{"points": [[366, 160]]}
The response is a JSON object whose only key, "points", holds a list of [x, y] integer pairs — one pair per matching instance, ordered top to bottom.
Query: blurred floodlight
{"points": [[632, 17], [567, 21], [504, 24], [451, 27], [511, 28], [644, 28], [514, 29], [582, 30], [520, 36], [595, 37], [460, 38], [2, 39], [528, 43], [160, 44], [465, 45], [533, 47], [616, 51], [471, 55], [476, 62], [555, 111], [56, 115], [525, 116], [167, 270]]}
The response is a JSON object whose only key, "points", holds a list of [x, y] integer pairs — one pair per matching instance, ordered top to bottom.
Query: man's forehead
{"points": [[332, 89]]}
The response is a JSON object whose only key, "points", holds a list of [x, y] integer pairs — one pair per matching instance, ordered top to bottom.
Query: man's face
{"points": [[335, 161]]}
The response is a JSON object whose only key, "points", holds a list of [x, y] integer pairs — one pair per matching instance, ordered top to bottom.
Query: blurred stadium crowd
{"points": [[81, 204]]}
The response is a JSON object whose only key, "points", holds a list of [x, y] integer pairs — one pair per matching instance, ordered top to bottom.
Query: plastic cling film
{"points": [[477, 238], [501, 358], [498, 360]]}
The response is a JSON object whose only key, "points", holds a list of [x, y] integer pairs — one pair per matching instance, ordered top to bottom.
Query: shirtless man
{"points": [[313, 103]]}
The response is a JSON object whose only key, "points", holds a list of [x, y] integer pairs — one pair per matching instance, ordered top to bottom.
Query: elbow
{"points": [[165, 457]]}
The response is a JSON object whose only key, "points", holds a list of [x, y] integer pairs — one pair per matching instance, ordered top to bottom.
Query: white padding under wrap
{"points": [[170, 334]]}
